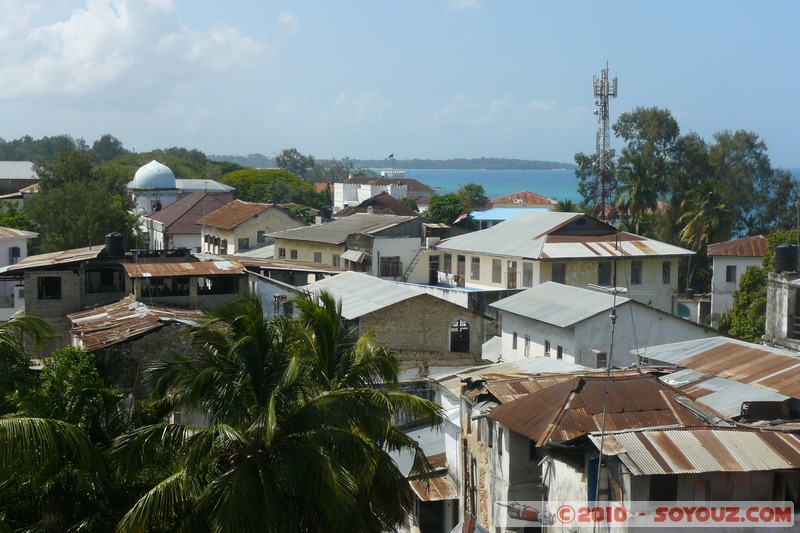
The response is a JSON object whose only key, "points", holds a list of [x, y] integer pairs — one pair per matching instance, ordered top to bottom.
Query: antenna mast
{"points": [[603, 90]]}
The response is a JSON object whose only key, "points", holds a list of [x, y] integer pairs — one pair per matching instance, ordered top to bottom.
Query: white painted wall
{"points": [[404, 247], [721, 290], [637, 326]]}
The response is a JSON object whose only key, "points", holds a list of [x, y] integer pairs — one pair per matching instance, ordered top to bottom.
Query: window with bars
{"points": [[390, 267], [475, 270], [497, 271], [636, 272], [559, 273], [604, 273]]}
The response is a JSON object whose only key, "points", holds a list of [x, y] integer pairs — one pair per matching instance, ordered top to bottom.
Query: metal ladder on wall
{"points": [[412, 264]]}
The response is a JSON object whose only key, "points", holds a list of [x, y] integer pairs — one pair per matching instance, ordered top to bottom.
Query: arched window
{"points": [[459, 336]]}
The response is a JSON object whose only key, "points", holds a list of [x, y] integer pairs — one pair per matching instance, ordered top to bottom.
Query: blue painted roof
{"points": [[503, 213]]}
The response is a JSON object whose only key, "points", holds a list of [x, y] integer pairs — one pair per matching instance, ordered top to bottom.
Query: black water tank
{"points": [[115, 245], [786, 258]]}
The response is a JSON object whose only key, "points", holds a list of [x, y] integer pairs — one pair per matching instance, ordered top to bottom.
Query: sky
{"points": [[428, 79]]}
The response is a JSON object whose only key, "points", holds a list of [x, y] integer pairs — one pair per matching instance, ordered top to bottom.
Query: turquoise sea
{"points": [[555, 184]]}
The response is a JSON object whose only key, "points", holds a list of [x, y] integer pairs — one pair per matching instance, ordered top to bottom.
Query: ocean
{"points": [[555, 184]]}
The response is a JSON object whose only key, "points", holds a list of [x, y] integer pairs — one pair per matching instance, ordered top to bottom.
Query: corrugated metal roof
{"points": [[16, 170], [188, 185], [524, 197], [381, 204], [503, 213], [231, 215], [181, 217], [337, 231], [13, 233], [537, 235], [755, 246], [63, 257], [196, 268], [362, 294], [558, 304], [123, 320], [753, 364], [452, 380], [723, 396], [574, 408], [698, 450], [440, 487]]}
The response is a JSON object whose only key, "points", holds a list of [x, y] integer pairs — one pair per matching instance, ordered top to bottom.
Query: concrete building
{"points": [[16, 175], [356, 190], [175, 226], [239, 226], [384, 246], [569, 248], [13, 249], [729, 261], [574, 324], [426, 333]]}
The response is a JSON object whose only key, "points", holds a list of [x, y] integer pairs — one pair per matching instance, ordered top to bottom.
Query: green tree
{"points": [[650, 135], [107, 148], [295, 163], [272, 186], [636, 195], [473, 196], [410, 203], [77, 204], [445, 208], [11, 216], [705, 220], [15, 373], [299, 433], [55, 468]]}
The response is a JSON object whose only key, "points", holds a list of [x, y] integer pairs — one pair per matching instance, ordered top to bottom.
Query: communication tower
{"points": [[603, 90]]}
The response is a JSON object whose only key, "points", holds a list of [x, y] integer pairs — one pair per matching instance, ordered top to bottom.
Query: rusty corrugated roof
{"points": [[524, 197], [231, 215], [755, 246], [62, 257], [195, 268], [123, 320], [571, 409], [698, 450]]}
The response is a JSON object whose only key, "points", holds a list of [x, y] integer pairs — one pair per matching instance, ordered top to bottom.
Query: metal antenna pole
{"points": [[603, 90]]}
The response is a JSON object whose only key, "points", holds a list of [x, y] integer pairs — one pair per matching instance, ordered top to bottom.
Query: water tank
{"points": [[326, 212], [115, 245], [786, 258]]}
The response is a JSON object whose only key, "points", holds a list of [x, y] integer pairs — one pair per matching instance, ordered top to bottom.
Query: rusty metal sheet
{"points": [[755, 246], [63, 257], [195, 268], [123, 320], [707, 449], [441, 487]]}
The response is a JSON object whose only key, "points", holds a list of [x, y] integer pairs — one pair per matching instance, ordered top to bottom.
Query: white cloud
{"points": [[459, 5], [289, 22], [124, 50]]}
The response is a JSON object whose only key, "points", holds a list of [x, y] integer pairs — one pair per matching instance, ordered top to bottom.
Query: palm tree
{"points": [[636, 194], [705, 220], [298, 438]]}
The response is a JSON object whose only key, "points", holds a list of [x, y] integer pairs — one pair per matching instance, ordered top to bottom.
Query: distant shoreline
{"points": [[480, 163]]}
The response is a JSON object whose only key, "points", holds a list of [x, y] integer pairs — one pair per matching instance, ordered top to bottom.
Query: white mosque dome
{"points": [[153, 175]]}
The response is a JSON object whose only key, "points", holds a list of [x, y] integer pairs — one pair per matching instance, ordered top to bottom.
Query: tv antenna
{"points": [[603, 90]]}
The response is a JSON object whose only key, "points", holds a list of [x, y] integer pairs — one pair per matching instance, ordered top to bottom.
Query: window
{"points": [[261, 236], [244, 243], [223, 247], [281, 253], [293, 254], [13, 255], [318, 257], [337, 261], [448, 264], [390, 267], [497, 268], [475, 271], [666, 271], [636, 272], [604, 273], [730, 273], [527, 274], [559, 274], [512, 275], [106, 280], [50, 288], [459, 336], [514, 341], [527, 345], [547, 348], [559, 352], [602, 360], [664, 488]]}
